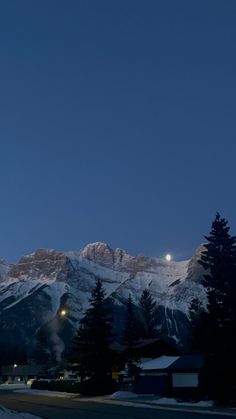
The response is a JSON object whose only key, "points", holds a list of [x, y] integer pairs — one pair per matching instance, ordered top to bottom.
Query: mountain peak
{"points": [[103, 254]]}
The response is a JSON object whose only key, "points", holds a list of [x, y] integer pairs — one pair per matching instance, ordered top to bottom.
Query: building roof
{"points": [[163, 362], [188, 362], [174, 363]]}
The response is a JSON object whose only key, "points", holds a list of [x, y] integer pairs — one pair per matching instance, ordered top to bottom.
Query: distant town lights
{"points": [[168, 257]]}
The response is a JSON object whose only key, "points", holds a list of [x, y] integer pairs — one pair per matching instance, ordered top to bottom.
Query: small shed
{"points": [[171, 375], [154, 377]]}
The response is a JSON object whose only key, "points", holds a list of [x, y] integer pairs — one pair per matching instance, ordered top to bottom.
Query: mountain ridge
{"points": [[39, 285]]}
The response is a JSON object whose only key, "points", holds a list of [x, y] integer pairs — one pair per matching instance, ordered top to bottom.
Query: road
{"points": [[62, 408]]}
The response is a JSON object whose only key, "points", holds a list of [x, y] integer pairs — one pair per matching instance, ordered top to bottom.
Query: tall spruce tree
{"points": [[148, 307], [219, 323], [198, 333], [131, 337], [92, 342]]}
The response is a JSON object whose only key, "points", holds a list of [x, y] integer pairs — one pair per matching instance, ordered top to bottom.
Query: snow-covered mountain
{"points": [[34, 290]]}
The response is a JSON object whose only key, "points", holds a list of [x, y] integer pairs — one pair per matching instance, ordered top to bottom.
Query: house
{"points": [[144, 350], [16, 374], [171, 375], [154, 377]]}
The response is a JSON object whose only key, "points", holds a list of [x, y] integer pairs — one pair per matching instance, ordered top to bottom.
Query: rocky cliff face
{"points": [[117, 259], [4, 269], [34, 290]]}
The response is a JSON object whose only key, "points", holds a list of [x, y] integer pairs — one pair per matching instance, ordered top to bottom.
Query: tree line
{"points": [[93, 349]]}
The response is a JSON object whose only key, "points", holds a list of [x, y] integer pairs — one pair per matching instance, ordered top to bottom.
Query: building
{"points": [[16, 374], [171, 375]]}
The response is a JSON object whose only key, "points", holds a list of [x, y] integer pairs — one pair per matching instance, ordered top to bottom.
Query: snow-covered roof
{"points": [[162, 362]]}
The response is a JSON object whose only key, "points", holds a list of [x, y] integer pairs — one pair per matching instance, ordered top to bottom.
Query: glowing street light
{"points": [[63, 312]]}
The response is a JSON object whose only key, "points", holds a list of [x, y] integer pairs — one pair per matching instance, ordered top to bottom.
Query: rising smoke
{"points": [[57, 342]]}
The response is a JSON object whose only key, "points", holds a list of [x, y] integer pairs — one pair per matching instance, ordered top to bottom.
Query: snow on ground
{"points": [[13, 386], [24, 388], [47, 393], [121, 395], [169, 401], [10, 414]]}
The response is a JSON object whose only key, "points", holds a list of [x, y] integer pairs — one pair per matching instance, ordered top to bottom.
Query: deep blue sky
{"points": [[117, 123]]}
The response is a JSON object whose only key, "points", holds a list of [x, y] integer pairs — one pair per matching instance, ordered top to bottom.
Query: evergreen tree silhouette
{"points": [[148, 307], [219, 322], [131, 337], [92, 342]]}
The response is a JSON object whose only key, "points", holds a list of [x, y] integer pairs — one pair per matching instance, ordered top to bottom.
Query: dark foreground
{"points": [[61, 408]]}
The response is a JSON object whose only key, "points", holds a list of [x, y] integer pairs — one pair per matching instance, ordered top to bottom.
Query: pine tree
{"points": [[219, 257], [219, 261], [148, 308], [198, 330], [131, 337], [93, 339]]}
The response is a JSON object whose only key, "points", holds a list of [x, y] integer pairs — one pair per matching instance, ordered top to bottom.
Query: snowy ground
{"points": [[13, 386], [24, 388], [47, 393], [122, 395], [128, 395], [125, 396], [174, 402], [10, 414]]}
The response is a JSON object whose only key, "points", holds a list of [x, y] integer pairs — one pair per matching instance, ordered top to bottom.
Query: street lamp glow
{"points": [[168, 257], [63, 312]]}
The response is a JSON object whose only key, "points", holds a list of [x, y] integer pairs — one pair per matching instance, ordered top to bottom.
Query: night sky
{"points": [[117, 123]]}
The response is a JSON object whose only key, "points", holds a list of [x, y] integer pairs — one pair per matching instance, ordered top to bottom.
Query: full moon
{"points": [[168, 257]]}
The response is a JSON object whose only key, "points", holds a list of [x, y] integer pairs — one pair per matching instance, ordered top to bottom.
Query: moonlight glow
{"points": [[168, 257]]}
